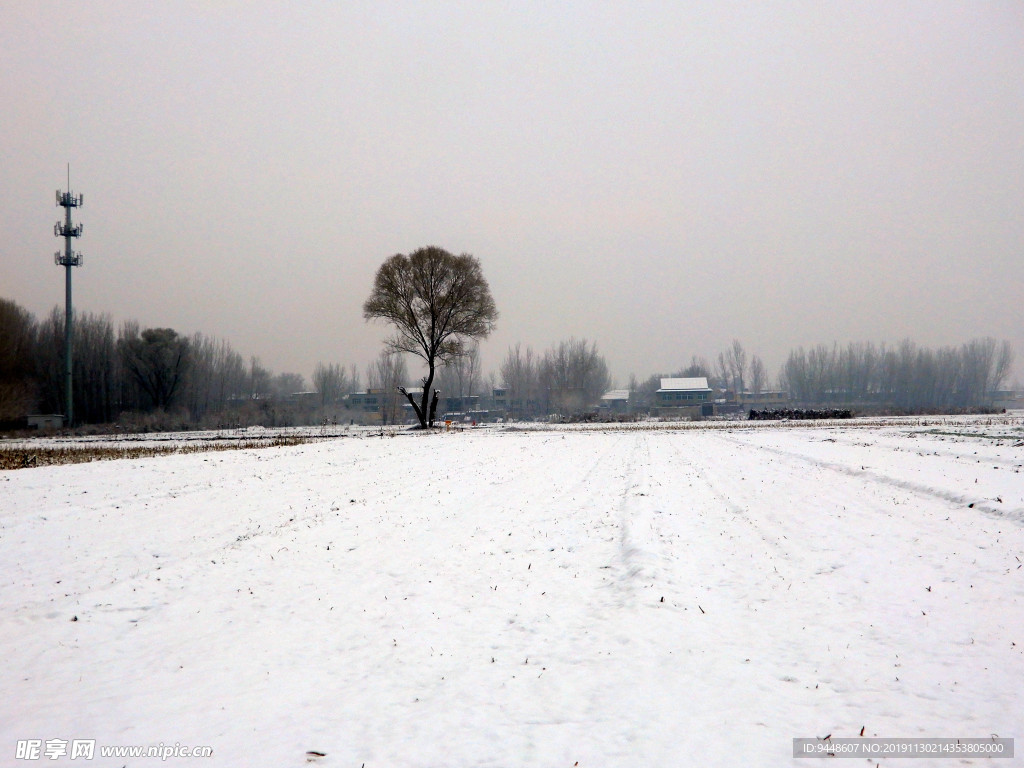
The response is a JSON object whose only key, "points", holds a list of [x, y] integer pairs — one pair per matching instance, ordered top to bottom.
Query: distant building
{"points": [[683, 392], [304, 398], [684, 398], [1007, 399], [762, 400], [368, 401], [499, 401], [616, 401], [463, 404], [383, 406], [504, 406], [46, 421]]}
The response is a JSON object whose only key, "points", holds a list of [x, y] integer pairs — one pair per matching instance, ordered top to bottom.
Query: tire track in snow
{"points": [[945, 450], [710, 473], [958, 499], [640, 552]]}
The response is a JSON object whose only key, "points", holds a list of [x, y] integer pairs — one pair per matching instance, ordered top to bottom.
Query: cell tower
{"points": [[68, 259]]}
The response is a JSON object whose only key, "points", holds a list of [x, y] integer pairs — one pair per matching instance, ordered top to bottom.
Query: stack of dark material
{"points": [[795, 414]]}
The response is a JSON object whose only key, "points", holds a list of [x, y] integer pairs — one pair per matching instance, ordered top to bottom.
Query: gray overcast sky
{"points": [[660, 177]]}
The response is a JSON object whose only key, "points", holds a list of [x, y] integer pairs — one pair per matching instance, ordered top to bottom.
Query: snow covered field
{"points": [[606, 597]]}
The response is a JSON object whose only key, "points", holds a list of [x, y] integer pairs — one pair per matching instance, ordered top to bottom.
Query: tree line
{"points": [[128, 373], [905, 376], [568, 378]]}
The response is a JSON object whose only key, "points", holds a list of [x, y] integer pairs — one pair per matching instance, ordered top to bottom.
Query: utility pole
{"points": [[68, 259]]}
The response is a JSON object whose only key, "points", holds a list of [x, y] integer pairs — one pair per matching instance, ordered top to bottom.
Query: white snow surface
{"points": [[607, 597]]}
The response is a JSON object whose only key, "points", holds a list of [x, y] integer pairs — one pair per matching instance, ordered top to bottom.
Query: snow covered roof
{"points": [[674, 385], [616, 394]]}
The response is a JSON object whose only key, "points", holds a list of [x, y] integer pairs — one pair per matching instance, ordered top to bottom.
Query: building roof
{"points": [[676, 385], [616, 394]]}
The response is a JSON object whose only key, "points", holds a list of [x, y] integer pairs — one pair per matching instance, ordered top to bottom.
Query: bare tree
{"points": [[435, 301], [17, 356], [158, 359], [49, 362], [986, 365], [736, 366], [1002, 366], [95, 368], [697, 368], [819, 369], [469, 370], [98, 373], [388, 373], [216, 375], [722, 375], [460, 376], [573, 376], [519, 377], [758, 377], [259, 379], [330, 380], [490, 383], [283, 385], [199, 392], [645, 393]]}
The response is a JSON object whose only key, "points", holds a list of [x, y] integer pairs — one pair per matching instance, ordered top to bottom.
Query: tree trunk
{"points": [[415, 406], [433, 407], [426, 417]]}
